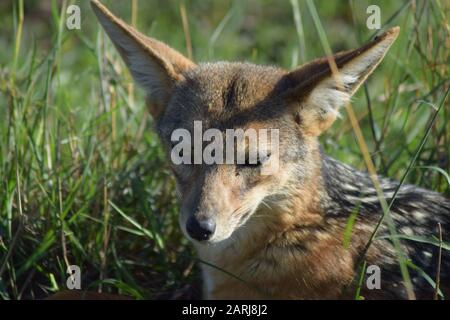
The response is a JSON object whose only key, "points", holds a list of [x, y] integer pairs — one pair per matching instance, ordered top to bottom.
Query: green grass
{"points": [[83, 177]]}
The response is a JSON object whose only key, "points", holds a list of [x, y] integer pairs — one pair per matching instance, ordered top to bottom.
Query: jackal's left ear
{"points": [[154, 66], [315, 92]]}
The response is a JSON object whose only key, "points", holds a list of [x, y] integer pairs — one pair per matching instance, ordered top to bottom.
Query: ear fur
{"points": [[154, 66], [317, 94]]}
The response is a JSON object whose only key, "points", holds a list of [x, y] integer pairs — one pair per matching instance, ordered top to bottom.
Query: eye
{"points": [[261, 159], [251, 165]]}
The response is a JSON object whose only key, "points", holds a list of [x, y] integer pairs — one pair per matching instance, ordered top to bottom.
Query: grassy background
{"points": [[83, 178]]}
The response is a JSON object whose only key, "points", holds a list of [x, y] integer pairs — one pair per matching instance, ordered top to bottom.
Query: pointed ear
{"points": [[154, 66], [315, 93]]}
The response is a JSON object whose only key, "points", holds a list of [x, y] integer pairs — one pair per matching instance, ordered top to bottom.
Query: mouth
{"points": [[242, 222], [225, 230]]}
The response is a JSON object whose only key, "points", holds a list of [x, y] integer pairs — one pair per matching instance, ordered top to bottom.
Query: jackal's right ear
{"points": [[154, 66], [316, 91]]}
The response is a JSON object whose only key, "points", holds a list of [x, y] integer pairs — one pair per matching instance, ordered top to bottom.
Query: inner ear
{"points": [[154, 66], [317, 94]]}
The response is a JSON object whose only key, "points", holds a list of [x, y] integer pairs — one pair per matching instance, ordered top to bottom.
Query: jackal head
{"points": [[217, 199]]}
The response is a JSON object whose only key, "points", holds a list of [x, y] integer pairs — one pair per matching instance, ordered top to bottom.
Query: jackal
{"points": [[281, 235]]}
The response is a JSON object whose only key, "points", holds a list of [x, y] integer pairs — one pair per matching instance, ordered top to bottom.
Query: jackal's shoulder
{"points": [[419, 215]]}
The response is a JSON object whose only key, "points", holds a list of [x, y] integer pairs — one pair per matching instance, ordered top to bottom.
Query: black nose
{"points": [[200, 229]]}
